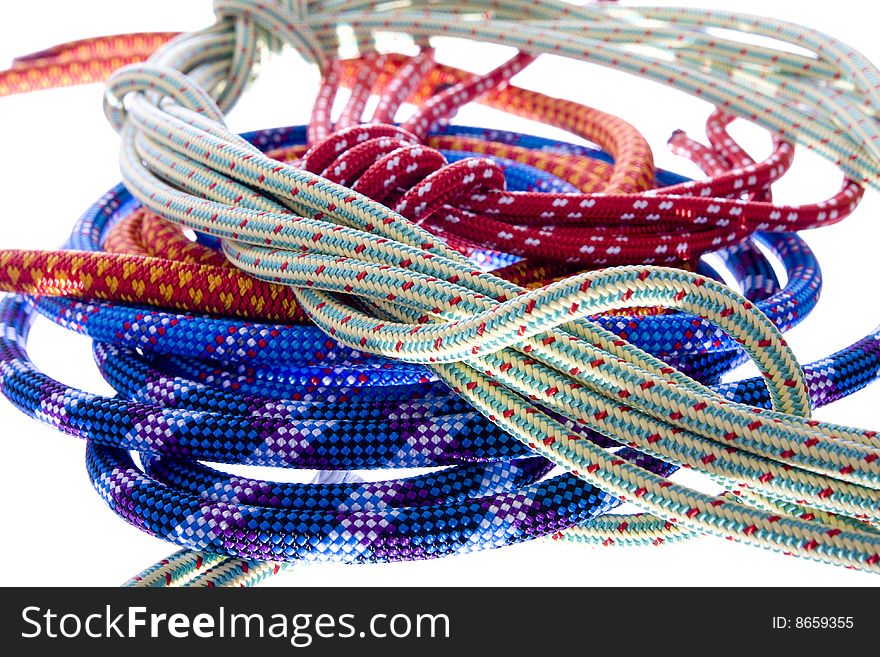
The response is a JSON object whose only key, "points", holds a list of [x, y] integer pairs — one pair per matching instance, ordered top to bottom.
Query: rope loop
{"points": [[284, 21], [160, 82], [390, 165]]}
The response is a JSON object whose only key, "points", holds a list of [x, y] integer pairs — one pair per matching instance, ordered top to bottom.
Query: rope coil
{"points": [[525, 359]]}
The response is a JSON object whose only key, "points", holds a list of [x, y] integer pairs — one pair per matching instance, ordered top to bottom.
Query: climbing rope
{"points": [[410, 313]]}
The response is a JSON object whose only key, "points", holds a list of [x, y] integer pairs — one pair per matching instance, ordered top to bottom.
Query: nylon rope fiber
{"points": [[558, 365]]}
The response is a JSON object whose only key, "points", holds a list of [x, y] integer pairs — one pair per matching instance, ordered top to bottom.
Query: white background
{"points": [[58, 155]]}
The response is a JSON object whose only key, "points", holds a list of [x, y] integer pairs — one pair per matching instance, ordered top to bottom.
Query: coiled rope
{"points": [[501, 346]]}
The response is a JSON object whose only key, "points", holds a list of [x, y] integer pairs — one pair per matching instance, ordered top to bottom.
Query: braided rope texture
{"points": [[524, 358]]}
